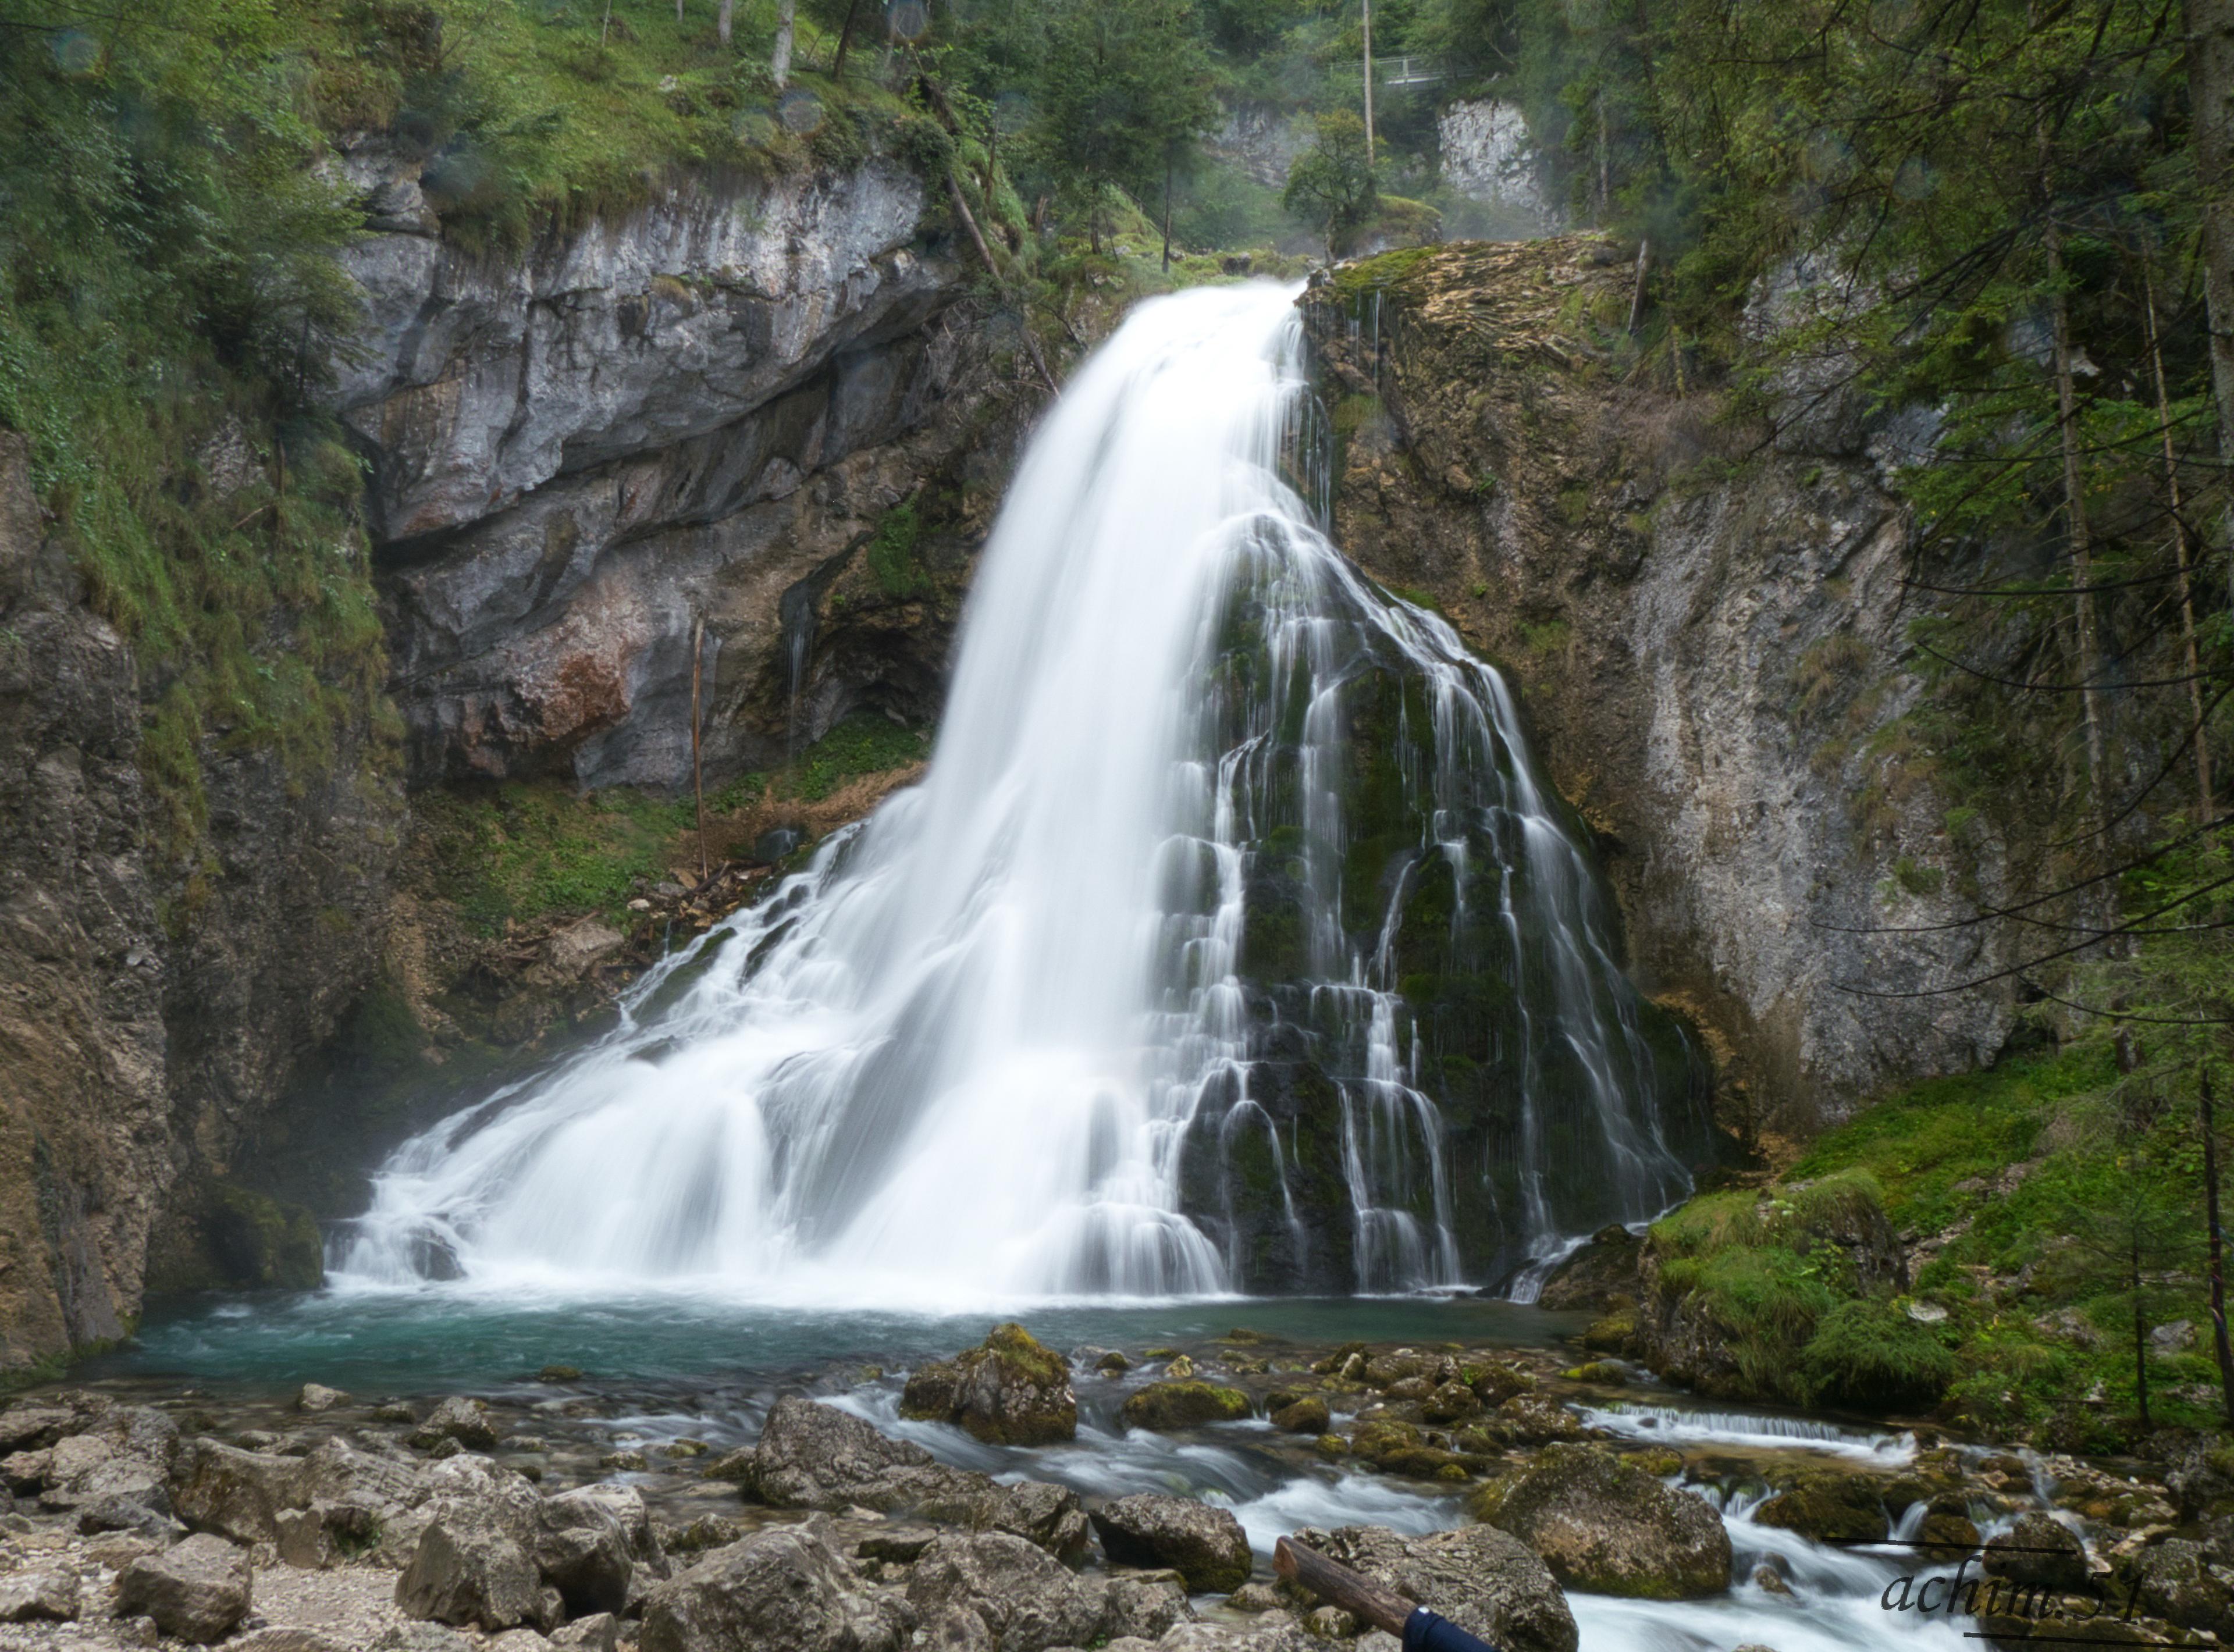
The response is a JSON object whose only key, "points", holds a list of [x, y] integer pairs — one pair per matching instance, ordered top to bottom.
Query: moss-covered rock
{"points": [[1009, 1390], [1167, 1406], [1305, 1414], [1829, 1506], [1604, 1525]]}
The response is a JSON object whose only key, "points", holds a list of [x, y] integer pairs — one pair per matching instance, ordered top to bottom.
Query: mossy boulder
{"points": [[1494, 1381], [1009, 1390], [1167, 1406], [1304, 1414], [1376, 1439], [1830, 1507], [1604, 1525]]}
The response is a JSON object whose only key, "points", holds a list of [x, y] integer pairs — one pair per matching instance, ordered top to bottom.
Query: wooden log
{"points": [[1337, 1585]]}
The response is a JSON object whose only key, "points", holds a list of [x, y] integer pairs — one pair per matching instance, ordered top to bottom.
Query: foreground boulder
{"points": [[1011, 1390], [1167, 1406], [814, 1456], [237, 1494], [1606, 1525], [1205, 1545], [582, 1549], [474, 1563], [1482, 1579], [784, 1590], [196, 1591], [1026, 1601]]}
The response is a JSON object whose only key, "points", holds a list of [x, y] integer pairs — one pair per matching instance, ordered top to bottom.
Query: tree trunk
{"points": [[1366, 13], [786, 14], [725, 19], [2210, 27], [845, 39], [1167, 214], [2082, 560], [2203, 794], [2217, 1249], [2140, 1332]]}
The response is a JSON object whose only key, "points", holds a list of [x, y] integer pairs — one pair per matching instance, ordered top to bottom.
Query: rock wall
{"points": [[1488, 158], [704, 410], [680, 418], [1710, 634], [148, 1007]]}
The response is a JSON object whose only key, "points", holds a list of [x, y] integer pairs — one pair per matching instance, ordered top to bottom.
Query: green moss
{"points": [[1384, 269], [891, 553], [863, 744], [1869, 1354], [1168, 1405]]}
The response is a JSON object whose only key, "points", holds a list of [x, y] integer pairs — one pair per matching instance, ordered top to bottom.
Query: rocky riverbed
{"points": [[1016, 1498]]}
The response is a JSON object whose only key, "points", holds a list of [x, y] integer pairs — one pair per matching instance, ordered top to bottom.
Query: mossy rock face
{"points": [[238, 1239], [1010, 1390], [1168, 1405], [1306, 1414], [1382, 1436], [1829, 1507], [1603, 1523]]}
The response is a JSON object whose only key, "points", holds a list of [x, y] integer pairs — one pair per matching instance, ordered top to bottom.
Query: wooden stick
{"points": [[697, 774], [1337, 1585]]}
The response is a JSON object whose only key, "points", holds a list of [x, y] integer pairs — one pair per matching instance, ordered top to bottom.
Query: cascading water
{"points": [[1230, 943]]}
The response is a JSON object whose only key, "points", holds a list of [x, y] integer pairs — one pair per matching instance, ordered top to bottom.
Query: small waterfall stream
{"points": [[1230, 944]]}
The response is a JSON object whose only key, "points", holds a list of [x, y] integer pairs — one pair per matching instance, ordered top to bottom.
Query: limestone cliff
{"points": [[1709, 633]]}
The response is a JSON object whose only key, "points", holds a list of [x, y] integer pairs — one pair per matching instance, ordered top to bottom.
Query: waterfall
{"points": [[1230, 943]]}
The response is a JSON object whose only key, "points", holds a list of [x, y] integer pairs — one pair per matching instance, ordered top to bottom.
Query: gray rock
{"points": [[316, 1396], [458, 1417], [812, 1456], [237, 1494], [1604, 1525], [1205, 1545], [582, 1549], [474, 1561], [1482, 1579], [783, 1589], [197, 1591], [42, 1594], [1024, 1596], [1146, 1606], [599, 1632], [420, 1637], [289, 1638]]}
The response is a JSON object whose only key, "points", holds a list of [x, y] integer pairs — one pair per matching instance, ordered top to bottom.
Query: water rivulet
{"points": [[1232, 943]]}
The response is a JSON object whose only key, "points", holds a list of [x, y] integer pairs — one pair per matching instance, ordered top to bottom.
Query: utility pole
{"points": [[1368, 15]]}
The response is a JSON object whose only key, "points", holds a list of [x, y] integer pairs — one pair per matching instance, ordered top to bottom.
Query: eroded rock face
{"points": [[683, 415], [1706, 657], [1606, 1525], [1028, 1601]]}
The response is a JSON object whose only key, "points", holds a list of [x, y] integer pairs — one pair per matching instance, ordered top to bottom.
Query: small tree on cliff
{"points": [[1331, 187]]}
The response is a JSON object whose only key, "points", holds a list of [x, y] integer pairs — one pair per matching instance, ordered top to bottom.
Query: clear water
{"points": [[436, 1340]]}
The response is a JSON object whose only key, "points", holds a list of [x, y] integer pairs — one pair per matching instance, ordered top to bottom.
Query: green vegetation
{"points": [[524, 850], [2062, 1194]]}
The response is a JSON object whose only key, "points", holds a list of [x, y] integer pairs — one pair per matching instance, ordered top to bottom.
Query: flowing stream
{"points": [[1232, 943]]}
